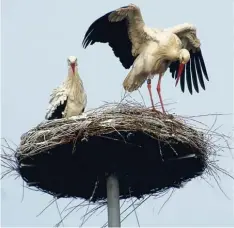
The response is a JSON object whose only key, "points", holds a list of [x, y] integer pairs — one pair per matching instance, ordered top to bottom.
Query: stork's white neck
{"points": [[71, 74]]}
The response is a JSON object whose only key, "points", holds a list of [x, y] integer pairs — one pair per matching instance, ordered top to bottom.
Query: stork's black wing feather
{"points": [[113, 33], [201, 60], [174, 68], [195, 68], [199, 71], [193, 73], [188, 77], [57, 114]]}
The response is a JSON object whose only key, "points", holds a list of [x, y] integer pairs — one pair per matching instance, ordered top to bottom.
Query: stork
{"points": [[150, 51], [70, 98]]}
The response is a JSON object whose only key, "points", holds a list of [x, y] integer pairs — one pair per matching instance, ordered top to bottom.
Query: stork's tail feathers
{"points": [[133, 82]]}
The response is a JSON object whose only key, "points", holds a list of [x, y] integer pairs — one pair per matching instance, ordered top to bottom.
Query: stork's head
{"points": [[184, 57], [72, 63]]}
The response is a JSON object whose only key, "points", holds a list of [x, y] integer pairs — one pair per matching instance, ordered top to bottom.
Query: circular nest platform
{"points": [[148, 151]]}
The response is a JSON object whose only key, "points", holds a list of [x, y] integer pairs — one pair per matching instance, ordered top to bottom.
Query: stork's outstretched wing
{"points": [[123, 29], [195, 69], [57, 103]]}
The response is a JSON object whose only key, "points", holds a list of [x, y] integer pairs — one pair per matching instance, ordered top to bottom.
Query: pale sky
{"points": [[38, 36]]}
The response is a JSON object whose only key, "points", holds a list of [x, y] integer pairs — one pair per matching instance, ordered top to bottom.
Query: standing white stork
{"points": [[150, 51], [70, 98]]}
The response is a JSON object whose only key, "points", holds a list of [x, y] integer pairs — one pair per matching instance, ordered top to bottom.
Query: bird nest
{"points": [[147, 150]]}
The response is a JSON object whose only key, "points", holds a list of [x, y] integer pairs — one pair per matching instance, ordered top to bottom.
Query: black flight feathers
{"points": [[113, 33], [116, 35], [194, 71], [57, 113]]}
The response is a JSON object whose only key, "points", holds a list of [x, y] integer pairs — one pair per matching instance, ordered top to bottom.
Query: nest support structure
{"points": [[148, 151]]}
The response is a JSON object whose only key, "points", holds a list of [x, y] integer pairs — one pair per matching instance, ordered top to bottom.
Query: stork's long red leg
{"points": [[150, 92], [159, 92]]}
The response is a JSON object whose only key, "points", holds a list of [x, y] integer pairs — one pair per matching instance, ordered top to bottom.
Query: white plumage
{"points": [[149, 51], [70, 98]]}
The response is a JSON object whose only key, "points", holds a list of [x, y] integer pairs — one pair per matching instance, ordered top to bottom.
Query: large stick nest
{"points": [[148, 151]]}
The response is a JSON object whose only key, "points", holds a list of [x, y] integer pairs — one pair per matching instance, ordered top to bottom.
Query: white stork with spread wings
{"points": [[150, 51], [70, 98]]}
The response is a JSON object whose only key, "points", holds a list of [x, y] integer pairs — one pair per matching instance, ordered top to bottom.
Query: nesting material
{"points": [[148, 151]]}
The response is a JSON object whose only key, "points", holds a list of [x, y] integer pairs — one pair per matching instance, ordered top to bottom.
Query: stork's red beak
{"points": [[73, 67], [181, 67]]}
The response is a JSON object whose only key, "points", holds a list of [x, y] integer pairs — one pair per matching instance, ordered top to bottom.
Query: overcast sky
{"points": [[37, 37]]}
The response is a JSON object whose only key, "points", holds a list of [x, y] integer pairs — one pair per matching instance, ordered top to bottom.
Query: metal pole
{"points": [[113, 201]]}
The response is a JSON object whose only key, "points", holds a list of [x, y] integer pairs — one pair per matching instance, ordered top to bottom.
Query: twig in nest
{"points": [[95, 187], [54, 200], [142, 201], [166, 201], [57, 206], [64, 209], [92, 212], [138, 223], [58, 224]]}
